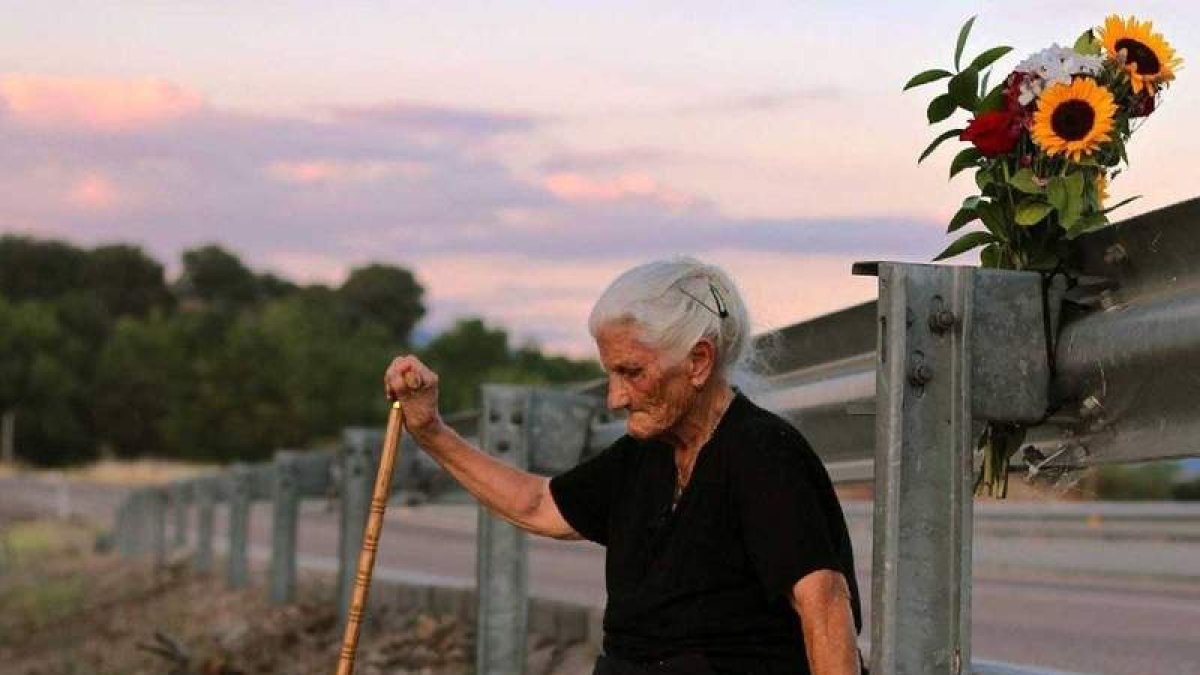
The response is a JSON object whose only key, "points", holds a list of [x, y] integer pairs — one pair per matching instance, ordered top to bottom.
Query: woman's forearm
{"points": [[514, 495], [822, 600]]}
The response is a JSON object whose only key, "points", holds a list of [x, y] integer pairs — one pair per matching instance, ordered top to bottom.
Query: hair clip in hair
{"points": [[721, 312]]}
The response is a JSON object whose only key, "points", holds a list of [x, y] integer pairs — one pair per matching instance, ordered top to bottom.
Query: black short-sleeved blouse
{"points": [[715, 574]]}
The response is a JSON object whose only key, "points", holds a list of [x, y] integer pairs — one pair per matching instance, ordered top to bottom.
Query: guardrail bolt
{"points": [[1115, 254], [1109, 301], [941, 320], [920, 375], [1091, 407]]}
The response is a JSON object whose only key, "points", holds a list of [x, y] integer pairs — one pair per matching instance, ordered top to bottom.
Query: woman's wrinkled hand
{"points": [[415, 386]]}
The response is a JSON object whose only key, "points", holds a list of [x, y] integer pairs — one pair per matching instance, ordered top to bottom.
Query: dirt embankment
{"points": [[68, 609]]}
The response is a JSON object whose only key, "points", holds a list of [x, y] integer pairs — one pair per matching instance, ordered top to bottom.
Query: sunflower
{"points": [[1150, 61], [1073, 118]]}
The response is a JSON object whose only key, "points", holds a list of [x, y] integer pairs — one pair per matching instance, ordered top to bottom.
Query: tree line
{"points": [[102, 355]]}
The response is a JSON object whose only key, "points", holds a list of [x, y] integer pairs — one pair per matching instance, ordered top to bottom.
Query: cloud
{"points": [[763, 101], [96, 104], [436, 121], [328, 171], [420, 187], [574, 187], [96, 192]]}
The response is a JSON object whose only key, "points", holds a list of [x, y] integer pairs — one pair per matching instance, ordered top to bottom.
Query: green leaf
{"points": [[962, 41], [1087, 44], [989, 57], [927, 77], [962, 89], [993, 100], [940, 108], [938, 141], [968, 157], [984, 178], [1024, 181], [1073, 183], [1056, 193], [1121, 203], [1031, 212], [965, 215], [961, 218], [993, 219], [1089, 223], [965, 243], [990, 256], [1042, 260]]}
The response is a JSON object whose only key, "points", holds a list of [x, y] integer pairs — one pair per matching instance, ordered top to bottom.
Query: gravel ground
{"points": [[69, 609]]}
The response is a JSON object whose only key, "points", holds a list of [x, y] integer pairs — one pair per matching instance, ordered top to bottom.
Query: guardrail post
{"points": [[955, 344], [358, 481], [206, 494], [157, 498], [180, 498], [139, 523], [283, 527], [124, 528], [238, 571], [921, 572], [502, 576]]}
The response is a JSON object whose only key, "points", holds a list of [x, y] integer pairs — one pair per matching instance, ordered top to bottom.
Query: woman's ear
{"points": [[701, 361]]}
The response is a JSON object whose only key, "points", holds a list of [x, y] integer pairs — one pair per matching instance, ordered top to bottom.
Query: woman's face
{"points": [[655, 395]]}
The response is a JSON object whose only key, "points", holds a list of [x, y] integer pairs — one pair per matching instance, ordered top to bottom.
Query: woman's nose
{"points": [[617, 396]]}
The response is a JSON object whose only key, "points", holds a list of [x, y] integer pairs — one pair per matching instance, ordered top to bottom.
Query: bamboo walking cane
{"points": [[366, 557]]}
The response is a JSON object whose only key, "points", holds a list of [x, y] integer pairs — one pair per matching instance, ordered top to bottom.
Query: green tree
{"points": [[39, 270], [215, 277], [126, 280], [271, 287], [387, 295], [471, 354], [463, 357], [140, 370], [283, 376], [39, 385]]}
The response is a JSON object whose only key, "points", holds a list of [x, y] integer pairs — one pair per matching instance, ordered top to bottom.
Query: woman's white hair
{"points": [[675, 303]]}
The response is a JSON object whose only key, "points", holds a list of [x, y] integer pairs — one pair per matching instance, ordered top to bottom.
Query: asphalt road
{"points": [[1076, 604]]}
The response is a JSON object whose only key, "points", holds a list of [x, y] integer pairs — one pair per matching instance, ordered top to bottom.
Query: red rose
{"points": [[1012, 90], [994, 133]]}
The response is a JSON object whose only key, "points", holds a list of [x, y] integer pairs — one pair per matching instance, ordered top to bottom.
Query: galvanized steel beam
{"points": [[954, 347], [359, 462], [239, 488], [206, 496], [284, 522], [502, 568]]}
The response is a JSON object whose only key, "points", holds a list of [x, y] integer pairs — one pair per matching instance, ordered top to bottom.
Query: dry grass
{"points": [[120, 472]]}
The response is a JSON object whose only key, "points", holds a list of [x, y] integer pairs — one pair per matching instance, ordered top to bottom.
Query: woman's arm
{"points": [[521, 498], [822, 600]]}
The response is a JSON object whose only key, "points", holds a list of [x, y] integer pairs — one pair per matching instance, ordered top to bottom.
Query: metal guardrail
{"points": [[1118, 399]]}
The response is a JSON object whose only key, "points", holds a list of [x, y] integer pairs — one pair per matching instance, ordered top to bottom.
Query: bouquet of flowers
{"points": [[1044, 143]]}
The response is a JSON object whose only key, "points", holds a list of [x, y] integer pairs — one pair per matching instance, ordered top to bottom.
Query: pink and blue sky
{"points": [[519, 155]]}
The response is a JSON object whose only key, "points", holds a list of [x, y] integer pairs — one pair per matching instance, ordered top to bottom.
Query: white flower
{"points": [[1052, 65]]}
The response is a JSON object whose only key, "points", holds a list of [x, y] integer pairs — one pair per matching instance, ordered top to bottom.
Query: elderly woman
{"points": [[727, 550]]}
